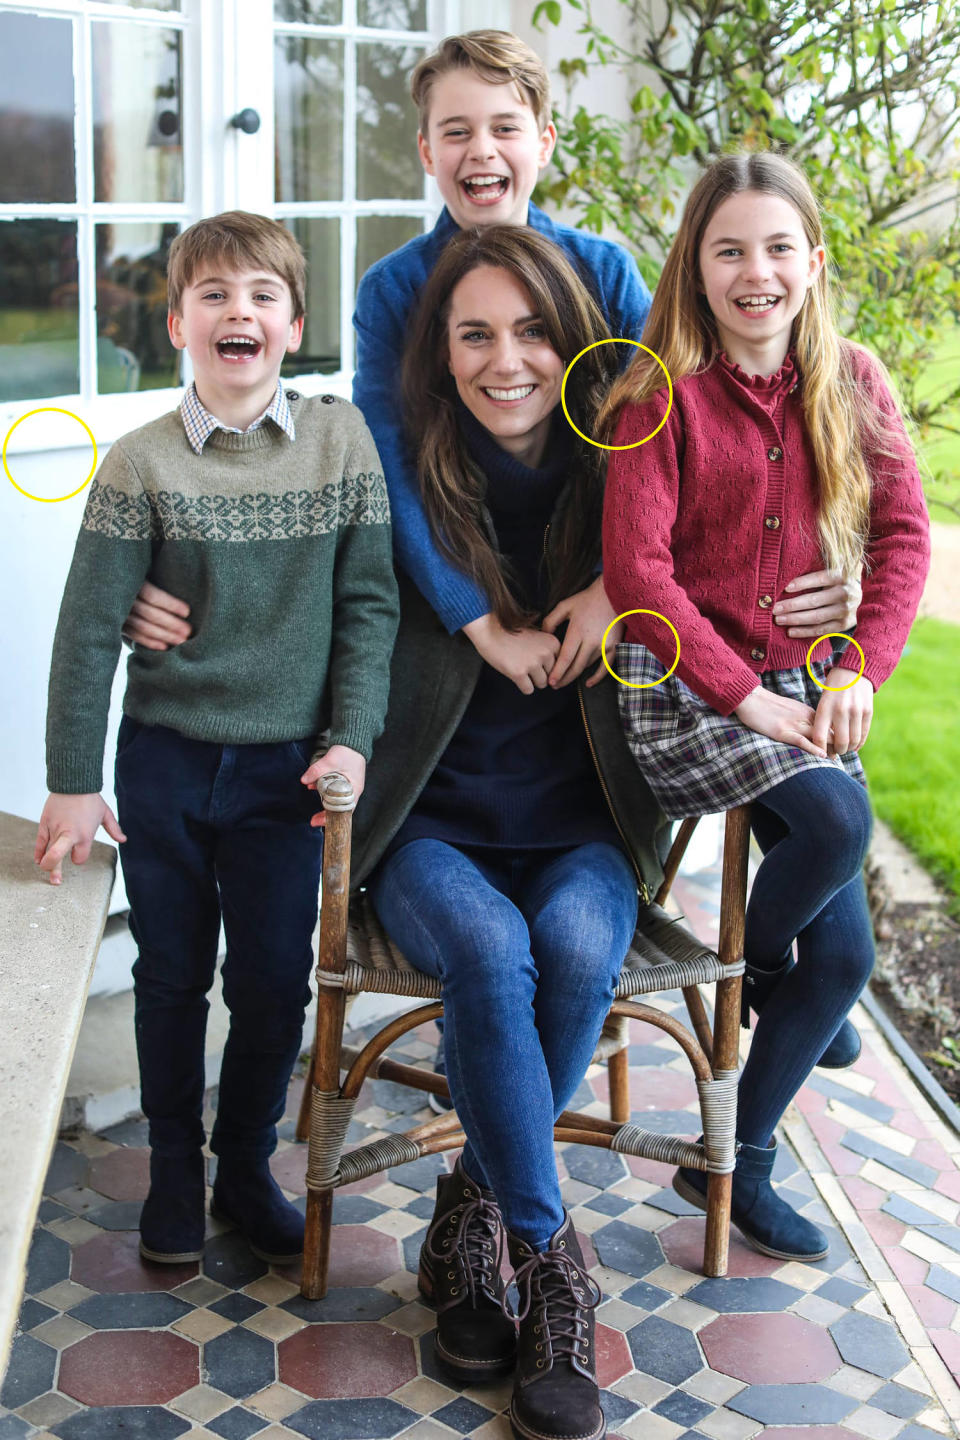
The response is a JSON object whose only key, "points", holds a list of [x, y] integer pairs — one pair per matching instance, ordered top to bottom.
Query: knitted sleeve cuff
{"points": [[356, 730], [74, 772]]}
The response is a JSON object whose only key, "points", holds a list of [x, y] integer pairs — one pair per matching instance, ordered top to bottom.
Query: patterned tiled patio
{"points": [[866, 1343]]}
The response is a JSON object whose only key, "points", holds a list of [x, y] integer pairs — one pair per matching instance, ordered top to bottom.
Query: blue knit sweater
{"points": [[387, 294]]}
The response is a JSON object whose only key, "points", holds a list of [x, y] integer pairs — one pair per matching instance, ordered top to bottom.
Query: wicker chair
{"points": [[356, 955]]}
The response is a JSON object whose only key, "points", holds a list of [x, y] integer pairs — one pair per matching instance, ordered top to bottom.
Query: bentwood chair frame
{"points": [[356, 955]]}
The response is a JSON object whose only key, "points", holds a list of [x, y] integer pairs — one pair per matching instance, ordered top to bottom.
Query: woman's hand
{"points": [[822, 601], [588, 613], [157, 620], [525, 656], [844, 712], [789, 721], [346, 762]]}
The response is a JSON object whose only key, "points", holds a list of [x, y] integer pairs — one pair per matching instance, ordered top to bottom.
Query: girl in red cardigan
{"points": [[783, 450]]}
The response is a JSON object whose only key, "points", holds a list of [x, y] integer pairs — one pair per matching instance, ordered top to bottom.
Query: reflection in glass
{"points": [[145, 4], [307, 12], [393, 14], [36, 109], [309, 116], [137, 147], [388, 166], [378, 235], [39, 344], [133, 348], [320, 349]]}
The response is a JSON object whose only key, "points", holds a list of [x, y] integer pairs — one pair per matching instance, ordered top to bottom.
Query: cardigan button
{"points": [[774, 453], [772, 522], [765, 602], [757, 654]]}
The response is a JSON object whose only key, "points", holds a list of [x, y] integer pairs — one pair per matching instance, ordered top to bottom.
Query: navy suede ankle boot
{"points": [[759, 985], [246, 1194], [765, 1219], [172, 1220]]}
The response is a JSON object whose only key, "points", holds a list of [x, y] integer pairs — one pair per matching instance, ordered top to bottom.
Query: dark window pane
{"points": [[307, 12], [393, 14], [36, 109], [309, 118], [137, 147], [388, 166], [377, 235], [39, 346], [133, 348], [320, 348]]}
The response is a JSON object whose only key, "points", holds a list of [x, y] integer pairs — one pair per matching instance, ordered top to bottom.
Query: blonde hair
{"points": [[496, 56], [240, 240], [840, 415]]}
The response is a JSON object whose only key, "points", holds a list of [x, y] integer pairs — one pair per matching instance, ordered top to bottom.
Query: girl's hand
{"points": [[822, 601], [588, 613], [157, 619], [526, 656], [847, 713], [789, 721], [344, 760], [69, 822]]}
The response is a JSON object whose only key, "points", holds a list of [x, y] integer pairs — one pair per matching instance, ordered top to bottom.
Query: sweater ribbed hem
{"points": [[72, 772]]}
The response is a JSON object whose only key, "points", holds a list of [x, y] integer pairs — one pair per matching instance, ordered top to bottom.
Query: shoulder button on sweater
{"points": [[328, 399]]}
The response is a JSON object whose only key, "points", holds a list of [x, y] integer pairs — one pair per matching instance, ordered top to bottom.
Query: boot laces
{"points": [[470, 1239], [560, 1291]]}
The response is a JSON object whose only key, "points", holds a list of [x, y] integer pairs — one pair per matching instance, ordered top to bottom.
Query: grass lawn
{"points": [[943, 453], [912, 757]]}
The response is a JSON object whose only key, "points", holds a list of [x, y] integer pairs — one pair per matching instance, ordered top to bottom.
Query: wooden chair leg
{"points": [[618, 1079]]}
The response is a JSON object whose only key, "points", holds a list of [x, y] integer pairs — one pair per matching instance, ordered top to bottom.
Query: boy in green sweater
{"points": [[267, 512]]}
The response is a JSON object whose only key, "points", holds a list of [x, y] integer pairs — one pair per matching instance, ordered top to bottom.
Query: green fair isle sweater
{"points": [[282, 551]]}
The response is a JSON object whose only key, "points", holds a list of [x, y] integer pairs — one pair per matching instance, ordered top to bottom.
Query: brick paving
{"points": [[864, 1344]]}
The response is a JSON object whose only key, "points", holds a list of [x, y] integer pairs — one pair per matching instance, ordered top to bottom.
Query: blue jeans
{"points": [[217, 832], [529, 948]]}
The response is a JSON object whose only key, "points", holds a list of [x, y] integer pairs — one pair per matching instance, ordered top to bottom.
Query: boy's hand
{"points": [[822, 600], [588, 613], [157, 620], [526, 656], [847, 713], [789, 721], [344, 760], [69, 822]]}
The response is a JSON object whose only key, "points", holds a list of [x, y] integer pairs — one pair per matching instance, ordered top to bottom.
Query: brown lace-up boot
{"points": [[460, 1272], [555, 1392]]}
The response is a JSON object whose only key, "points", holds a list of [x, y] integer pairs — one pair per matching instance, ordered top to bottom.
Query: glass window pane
{"points": [[146, 4], [307, 12], [393, 14], [36, 109], [309, 118], [137, 149], [388, 166], [378, 235], [39, 345], [133, 348], [320, 349]]}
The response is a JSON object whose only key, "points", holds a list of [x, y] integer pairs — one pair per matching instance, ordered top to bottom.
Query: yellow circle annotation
{"points": [[563, 397], [49, 410], [836, 635], [640, 684]]}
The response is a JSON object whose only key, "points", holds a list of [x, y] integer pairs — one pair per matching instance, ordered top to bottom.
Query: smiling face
{"points": [[485, 148], [756, 266], [237, 326], [506, 371]]}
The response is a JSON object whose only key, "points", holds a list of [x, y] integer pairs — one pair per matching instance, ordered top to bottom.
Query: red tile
{"points": [[643, 1034], [653, 1089], [294, 1092], [810, 1102], [909, 1124], [931, 1152], [842, 1161], [289, 1169], [652, 1170], [124, 1174], [948, 1183], [360, 1187], [861, 1194], [884, 1229], [682, 1244], [361, 1255], [111, 1264], [908, 1268], [933, 1309], [947, 1343], [769, 1349], [613, 1356], [338, 1362], [129, 1367], [814, 1432]]}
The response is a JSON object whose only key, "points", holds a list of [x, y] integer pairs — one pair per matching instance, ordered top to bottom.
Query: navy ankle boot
{"points": [[759, 985], [246, 1194], [765, 1219], [172, 1220]]}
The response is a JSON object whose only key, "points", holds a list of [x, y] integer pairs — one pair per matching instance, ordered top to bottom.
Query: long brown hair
{"points": [[840, 415], [452, 485]]}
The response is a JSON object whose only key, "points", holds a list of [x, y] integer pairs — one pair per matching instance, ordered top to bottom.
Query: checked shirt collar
{"points": [[200, 424]]}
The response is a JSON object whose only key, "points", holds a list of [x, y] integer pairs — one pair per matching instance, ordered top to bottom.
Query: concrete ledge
{"points": [[48, 943]]}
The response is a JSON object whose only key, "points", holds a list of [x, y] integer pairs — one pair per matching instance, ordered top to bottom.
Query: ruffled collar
{"points": [[763, 386]]}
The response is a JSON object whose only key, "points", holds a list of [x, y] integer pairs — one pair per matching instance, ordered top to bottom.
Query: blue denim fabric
{"points": [[814, 830], [217, 831], [529, 947]]}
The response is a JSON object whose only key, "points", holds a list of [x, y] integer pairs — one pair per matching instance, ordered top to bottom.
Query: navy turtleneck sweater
{"points": [[517, 773]]}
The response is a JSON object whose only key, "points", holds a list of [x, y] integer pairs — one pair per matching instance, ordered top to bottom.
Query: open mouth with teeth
{"points": [[485, 189], [757, 304], [238, 347], [517, 392]]}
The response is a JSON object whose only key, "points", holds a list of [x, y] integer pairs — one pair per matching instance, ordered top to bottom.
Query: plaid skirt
{"points": [[698, 762]]}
